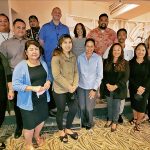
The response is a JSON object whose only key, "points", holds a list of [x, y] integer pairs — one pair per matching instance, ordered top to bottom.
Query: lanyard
{"points": [[5, 38]]}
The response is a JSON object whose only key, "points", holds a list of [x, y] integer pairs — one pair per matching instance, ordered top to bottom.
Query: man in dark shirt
{"points": [[33, 32]]}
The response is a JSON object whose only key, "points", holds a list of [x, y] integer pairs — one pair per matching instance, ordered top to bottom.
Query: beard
{"points": [[103, 26]]}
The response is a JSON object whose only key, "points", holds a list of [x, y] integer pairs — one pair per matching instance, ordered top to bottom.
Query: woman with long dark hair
{"points": [[65, 74], [116, 74], [139, 83]]}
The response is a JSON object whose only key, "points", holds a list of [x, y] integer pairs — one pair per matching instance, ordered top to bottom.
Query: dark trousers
{"points": [[61, 101], [3, 104], [51, 104], [19, 124]]}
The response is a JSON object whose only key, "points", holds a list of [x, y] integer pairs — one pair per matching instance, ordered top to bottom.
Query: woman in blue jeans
{"points": [[90, 68], [116, 74]]}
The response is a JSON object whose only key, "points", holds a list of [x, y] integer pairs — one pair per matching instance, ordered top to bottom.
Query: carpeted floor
{"points": [[98, 138]]}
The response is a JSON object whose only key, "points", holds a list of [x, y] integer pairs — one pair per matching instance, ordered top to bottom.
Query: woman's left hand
{"points": [[47, 85]]}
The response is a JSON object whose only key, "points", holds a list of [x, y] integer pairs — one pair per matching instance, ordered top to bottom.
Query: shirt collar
{"points": [[52, 23], [14, 37]]}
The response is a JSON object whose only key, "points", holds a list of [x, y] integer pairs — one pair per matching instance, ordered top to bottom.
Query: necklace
{"points": [[5, 38], [31, 64]]}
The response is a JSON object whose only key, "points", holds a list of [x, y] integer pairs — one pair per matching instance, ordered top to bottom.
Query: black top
{"points": [[32, 33], [139, 75], [5, 76], [38, 78], [116, 78]]}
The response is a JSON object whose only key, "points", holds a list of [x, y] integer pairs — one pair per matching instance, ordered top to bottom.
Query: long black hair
{"points": [[120, 64]]}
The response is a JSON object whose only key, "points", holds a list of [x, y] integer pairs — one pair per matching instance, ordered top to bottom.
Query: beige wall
{"points": [[42, 9]]}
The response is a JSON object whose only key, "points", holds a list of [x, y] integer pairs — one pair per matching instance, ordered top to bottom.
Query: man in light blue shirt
{"points": [[90, 69]]}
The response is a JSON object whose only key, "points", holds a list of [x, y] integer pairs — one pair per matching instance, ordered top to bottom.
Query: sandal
{"points": [[133, 121], [137, 127], [74, 135], [64, 138], [40, 141]]}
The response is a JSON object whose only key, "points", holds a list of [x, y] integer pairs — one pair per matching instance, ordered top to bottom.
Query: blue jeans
{"points": [[86, 106], [113, 106]]}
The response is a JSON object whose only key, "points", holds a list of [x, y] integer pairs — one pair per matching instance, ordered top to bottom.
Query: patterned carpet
{"points": [[98, 138]]}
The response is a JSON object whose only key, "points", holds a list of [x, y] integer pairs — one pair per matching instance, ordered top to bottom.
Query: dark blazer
{"points": [[6, 66], [139, 75], [116, 78]]}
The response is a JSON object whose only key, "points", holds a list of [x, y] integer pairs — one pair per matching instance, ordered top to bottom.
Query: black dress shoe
{"points": [[120, 120], [83, 126], [88, 127], [18, 133], [2, 146]]}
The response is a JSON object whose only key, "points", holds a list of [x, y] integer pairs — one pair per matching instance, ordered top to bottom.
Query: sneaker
{"points": [[120, 120]]}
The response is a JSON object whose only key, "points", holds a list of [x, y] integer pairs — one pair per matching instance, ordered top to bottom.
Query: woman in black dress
{"points": [[31, 80], [139, 83]]}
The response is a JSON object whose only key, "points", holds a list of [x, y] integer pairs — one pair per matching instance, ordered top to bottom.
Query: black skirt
{"points": [[139, 105], [40, 106], [33, 118]]}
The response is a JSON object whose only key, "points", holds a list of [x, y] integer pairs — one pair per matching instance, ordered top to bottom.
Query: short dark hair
{"points": [[4, 15], [103, 15], [33, 17], [18, 20], [83, 29], [120, 30], [89, 39], [32, 42]]}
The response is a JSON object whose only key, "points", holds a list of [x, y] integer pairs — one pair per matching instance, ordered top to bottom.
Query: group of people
{"points": [[47, 63]]}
